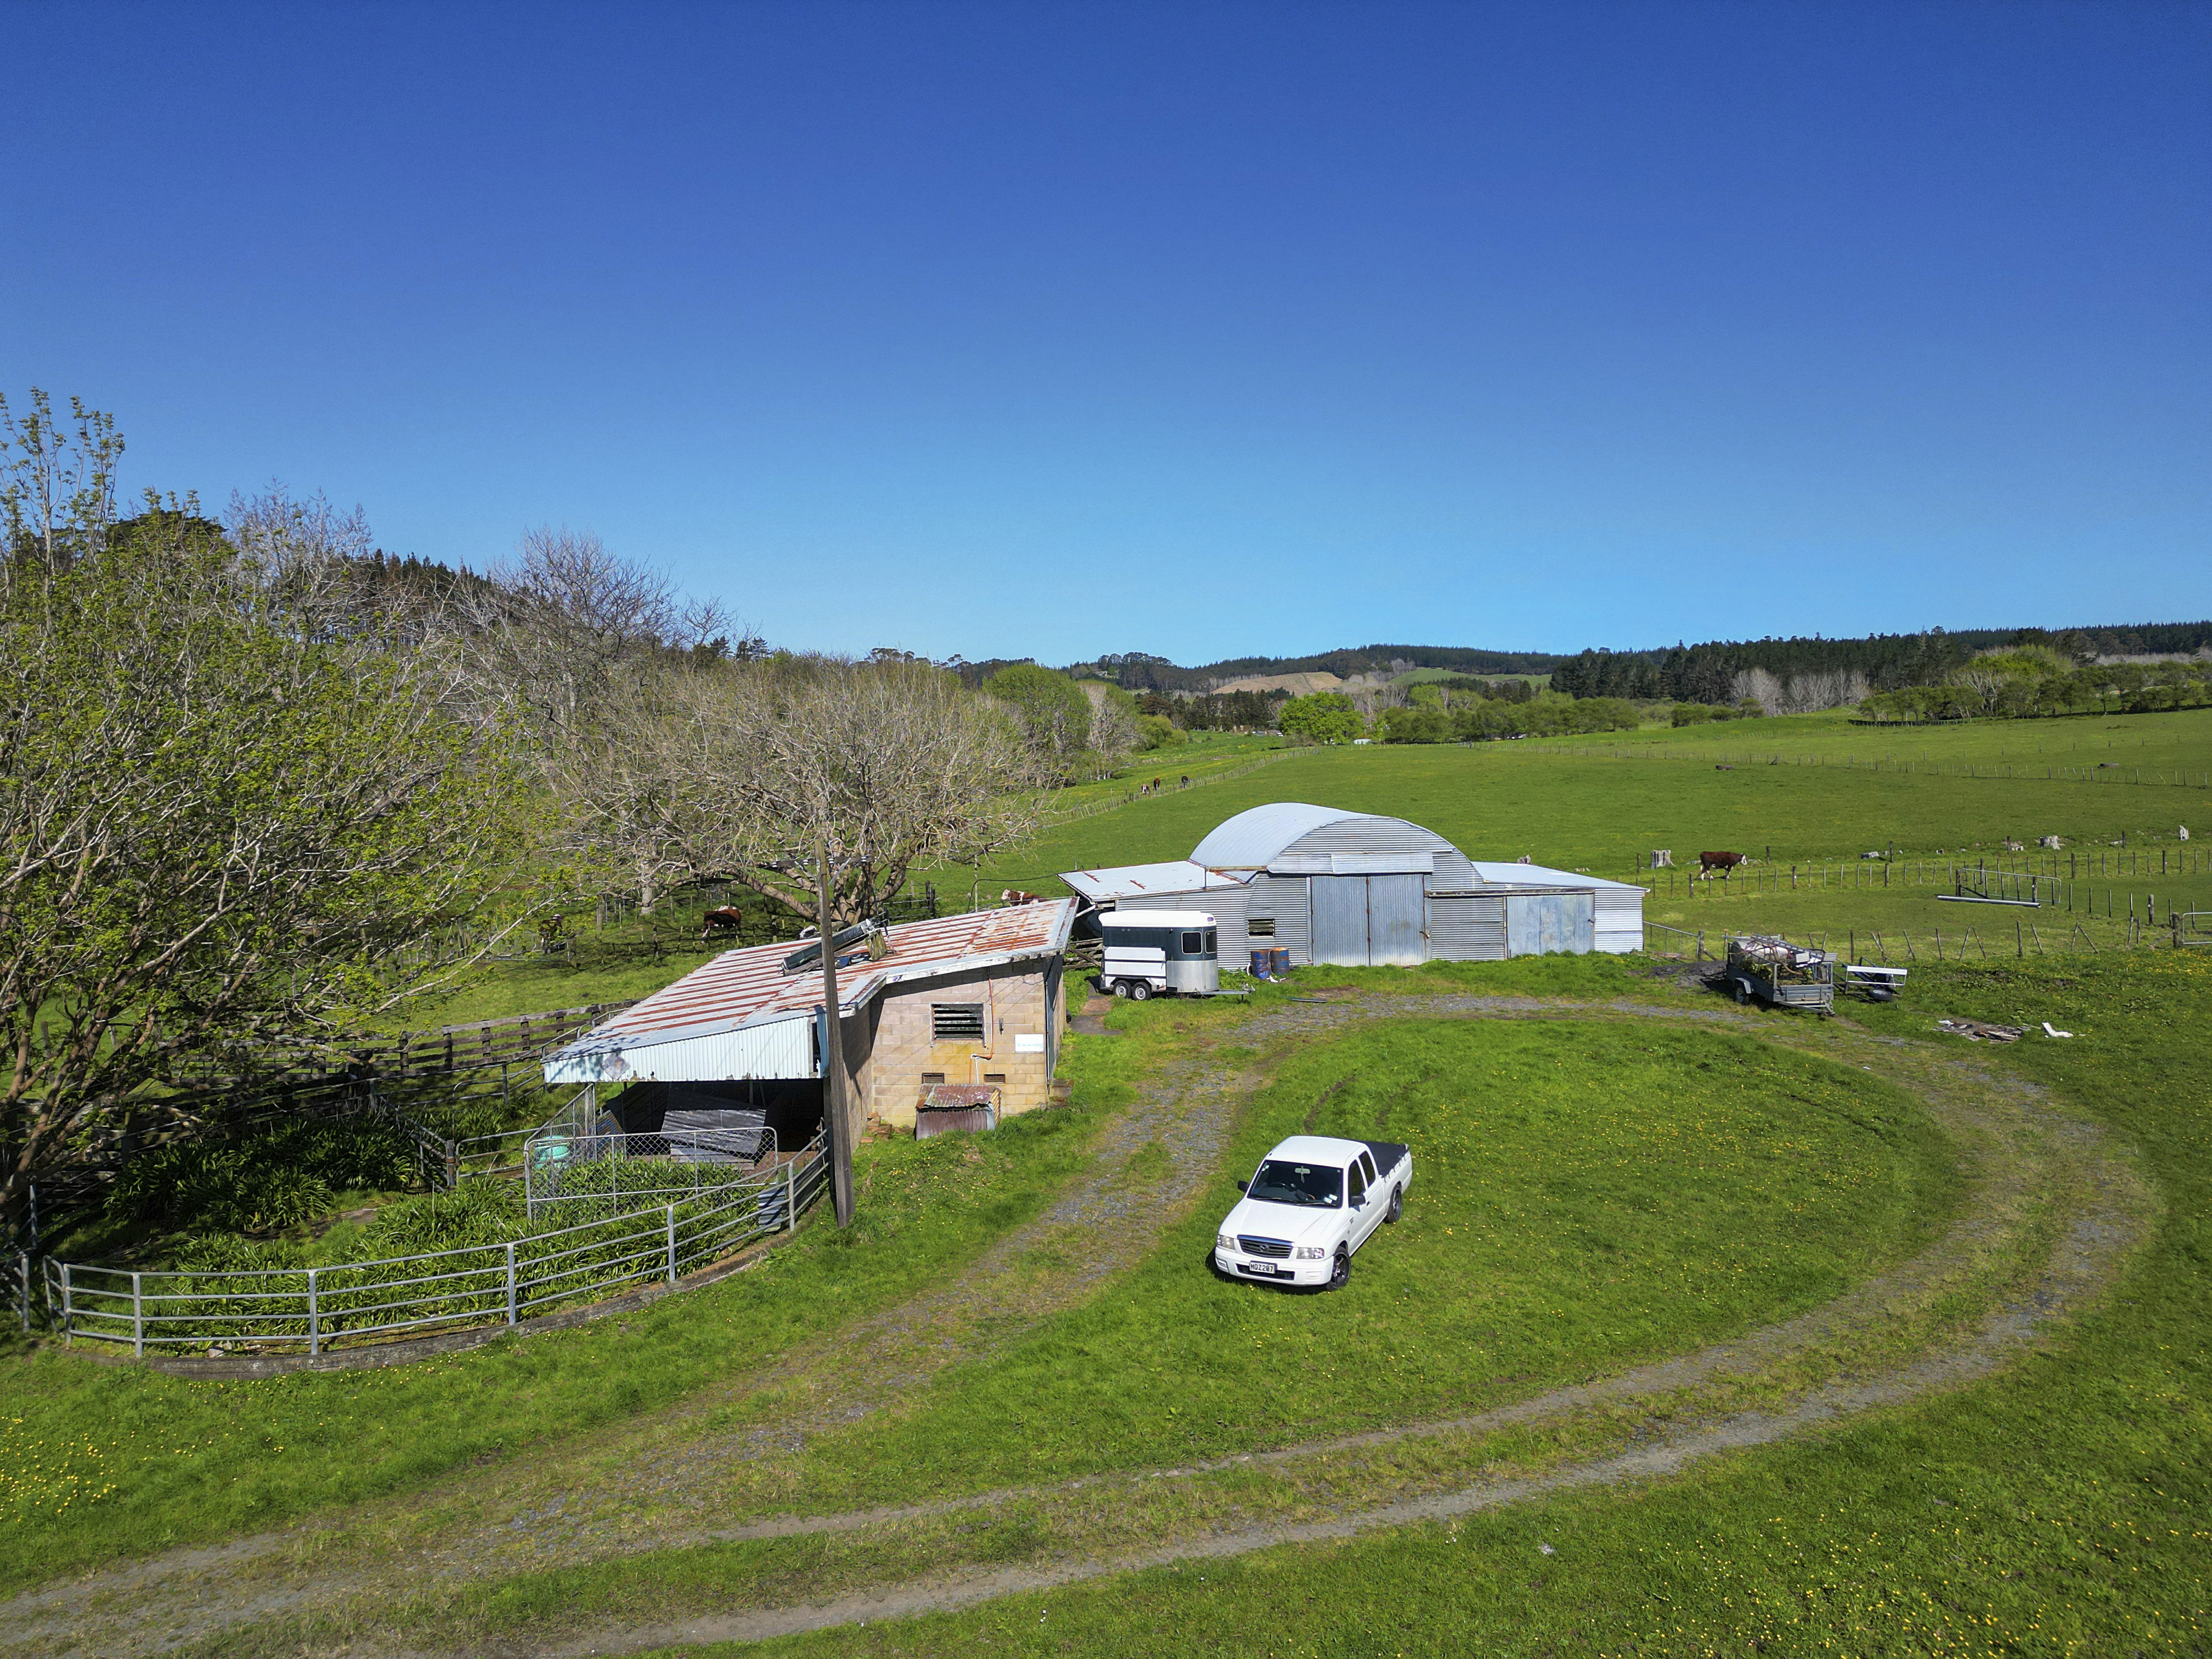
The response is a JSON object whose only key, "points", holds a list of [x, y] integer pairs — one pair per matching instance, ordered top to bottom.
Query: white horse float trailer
{"points": [[1152, 952]]}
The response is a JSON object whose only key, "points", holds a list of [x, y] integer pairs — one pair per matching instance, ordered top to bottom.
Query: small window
{"points": [[1260, 927], [1193, 944], [1212, 944], [952, 1022], [928, 1077], [994, 1077], [1367, 1163]]}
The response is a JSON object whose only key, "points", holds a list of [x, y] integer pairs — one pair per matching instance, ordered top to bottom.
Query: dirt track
{"points": [[2052, 1209]]}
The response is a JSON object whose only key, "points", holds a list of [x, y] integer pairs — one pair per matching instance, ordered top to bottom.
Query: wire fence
{"points": [[2103, 772], [1093, 808], [1898, 946], [359, 1302]]}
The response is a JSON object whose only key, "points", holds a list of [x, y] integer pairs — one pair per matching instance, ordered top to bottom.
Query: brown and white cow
{"points": [[1723, 862]]}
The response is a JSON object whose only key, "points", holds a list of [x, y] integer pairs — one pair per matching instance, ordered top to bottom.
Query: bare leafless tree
{"points": [[559, 621], [752, 771]]}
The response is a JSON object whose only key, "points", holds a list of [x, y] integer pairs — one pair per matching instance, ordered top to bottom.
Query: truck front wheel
{"points": [[1339, 1270]]}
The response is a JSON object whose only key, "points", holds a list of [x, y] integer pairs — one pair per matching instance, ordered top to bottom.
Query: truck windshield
{"points": [[1306, 1184]]}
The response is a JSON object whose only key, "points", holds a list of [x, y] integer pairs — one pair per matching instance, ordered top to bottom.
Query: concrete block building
{"points": [[975, 1000]]}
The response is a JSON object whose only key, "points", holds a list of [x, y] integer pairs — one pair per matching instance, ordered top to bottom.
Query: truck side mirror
{"points": [[1244, 1185]]}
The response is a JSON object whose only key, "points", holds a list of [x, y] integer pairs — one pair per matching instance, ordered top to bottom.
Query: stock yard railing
{"points": [[565, 1177], [315, 1309]]}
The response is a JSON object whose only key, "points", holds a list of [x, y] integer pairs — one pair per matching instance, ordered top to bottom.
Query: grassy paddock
{"points": [[1585, 809], [1591, 1195], [2065, 1508]]}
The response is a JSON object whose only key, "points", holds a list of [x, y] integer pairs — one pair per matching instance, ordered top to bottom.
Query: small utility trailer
{"points": [[1780, 974], [1874, 984]]}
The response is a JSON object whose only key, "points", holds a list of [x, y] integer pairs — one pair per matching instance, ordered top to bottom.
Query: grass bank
{"points": [[101, 1460]]}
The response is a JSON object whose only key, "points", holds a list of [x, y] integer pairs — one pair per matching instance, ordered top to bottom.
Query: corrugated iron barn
{"points": [[1360, 889]]}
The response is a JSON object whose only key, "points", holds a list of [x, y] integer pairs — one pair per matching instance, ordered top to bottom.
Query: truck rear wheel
{"points": [[1397, 1204], [1339, 1270]]}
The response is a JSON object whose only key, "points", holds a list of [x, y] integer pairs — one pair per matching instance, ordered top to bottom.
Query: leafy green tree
{"points": [[1052, 709], [1324, 716], [1160, 733], [214, 829]]}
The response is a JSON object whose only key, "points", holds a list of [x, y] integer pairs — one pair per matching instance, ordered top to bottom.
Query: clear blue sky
{"points": [[1203, 330]]}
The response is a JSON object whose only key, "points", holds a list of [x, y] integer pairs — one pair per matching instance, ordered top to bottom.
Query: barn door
{"points": [[1339, 920], [1360, 921], [1539, 923], [1396, 926]]}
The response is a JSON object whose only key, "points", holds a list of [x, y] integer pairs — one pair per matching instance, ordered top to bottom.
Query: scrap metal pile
{"points": [[1779, 960]]}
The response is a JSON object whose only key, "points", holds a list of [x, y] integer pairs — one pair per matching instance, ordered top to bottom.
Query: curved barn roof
{"points": [[1255, 837]]}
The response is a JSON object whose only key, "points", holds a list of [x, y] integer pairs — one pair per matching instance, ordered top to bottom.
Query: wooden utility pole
{"points": [[833, 1055]]}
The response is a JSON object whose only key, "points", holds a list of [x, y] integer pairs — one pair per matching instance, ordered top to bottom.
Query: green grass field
{"points": [[1577, 807], [1592, 1194], [1589, 1196], [100, 1460], [2064, 1508]]}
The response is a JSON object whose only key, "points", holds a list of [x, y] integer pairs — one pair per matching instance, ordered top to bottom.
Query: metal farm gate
{"points": [[1369, 922]]}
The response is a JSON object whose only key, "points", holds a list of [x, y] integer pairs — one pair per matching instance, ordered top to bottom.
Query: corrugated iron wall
{"points": [[1467, 927]]}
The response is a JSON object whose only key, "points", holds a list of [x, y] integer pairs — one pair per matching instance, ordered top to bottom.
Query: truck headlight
{"points": [[1226, 1241], [1311, 1253]]}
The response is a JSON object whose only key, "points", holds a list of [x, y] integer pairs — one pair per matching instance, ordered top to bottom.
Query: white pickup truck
{"points": [[1313, 1201]]}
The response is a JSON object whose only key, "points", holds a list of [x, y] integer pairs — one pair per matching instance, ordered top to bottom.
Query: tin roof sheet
{"points": [[1252, 839], [1536, 875], [1134, 880], [747, 987]]}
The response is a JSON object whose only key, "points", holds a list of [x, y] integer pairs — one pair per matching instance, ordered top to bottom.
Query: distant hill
{"points": [[1706, 672]]}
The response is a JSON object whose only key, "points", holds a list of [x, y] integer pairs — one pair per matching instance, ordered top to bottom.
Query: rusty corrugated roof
{"points": [[746, 986]]}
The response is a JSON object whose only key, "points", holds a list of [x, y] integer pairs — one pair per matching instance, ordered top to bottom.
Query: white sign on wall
{"points": [[1029, 1043]]}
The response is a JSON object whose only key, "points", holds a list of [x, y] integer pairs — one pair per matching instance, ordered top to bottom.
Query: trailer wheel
{"points": [[1121, 988], [1139, 991], [1742, 992], [1397, 1204], [1339, 1270]]}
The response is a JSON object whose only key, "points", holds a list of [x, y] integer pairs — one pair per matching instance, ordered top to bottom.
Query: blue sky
{"points": [[1202, 330]]}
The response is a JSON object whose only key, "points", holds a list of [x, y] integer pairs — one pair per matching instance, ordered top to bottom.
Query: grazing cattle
{"points": [[1185, 784], [1153, 787], [1723, 862], [1015, 895], [724, 920]]}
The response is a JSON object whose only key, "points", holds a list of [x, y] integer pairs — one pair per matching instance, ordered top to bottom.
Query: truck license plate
{"points": [[1260, 1267]]}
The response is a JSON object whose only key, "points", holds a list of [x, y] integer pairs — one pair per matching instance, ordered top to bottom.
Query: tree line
{"points": [[247, 759]]}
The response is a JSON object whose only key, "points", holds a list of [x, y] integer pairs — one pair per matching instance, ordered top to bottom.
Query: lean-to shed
{"points": [[1360, 888], [973, 1000]]}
